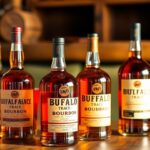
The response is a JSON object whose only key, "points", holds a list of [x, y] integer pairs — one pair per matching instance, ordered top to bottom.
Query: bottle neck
{"points": [[135, 42], [135, 49], [16, 53], [16, 56], [92, 58], [58, 60], [58, 64]]}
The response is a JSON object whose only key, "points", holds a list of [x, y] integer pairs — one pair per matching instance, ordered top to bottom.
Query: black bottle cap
{"points": [[135, 34]]}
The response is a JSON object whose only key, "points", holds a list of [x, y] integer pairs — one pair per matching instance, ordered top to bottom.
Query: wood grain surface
{"points": [[116, 142]]}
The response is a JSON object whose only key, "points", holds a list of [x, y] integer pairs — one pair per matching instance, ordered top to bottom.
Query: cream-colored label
{"points": [[135, 98], [17, 108], [96, 110], [63, 115]]}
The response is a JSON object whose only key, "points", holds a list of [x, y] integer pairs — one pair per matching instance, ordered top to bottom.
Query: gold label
{"points": [[97, 88], [64, 91], [135, 98], [17, 108], [96, 110], [63, 115]]}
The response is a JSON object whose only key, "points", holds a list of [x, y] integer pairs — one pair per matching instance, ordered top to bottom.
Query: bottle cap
{"points": [[16, 29], [16, 34], [135, 34], [92, 35], [58, 40], [93, 42], [58, 46]]}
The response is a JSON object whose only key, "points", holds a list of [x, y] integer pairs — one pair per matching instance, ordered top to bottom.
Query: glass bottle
{"points": [[0, 86], [134, 92], [17, 96], [94, 96], [59, 102]]}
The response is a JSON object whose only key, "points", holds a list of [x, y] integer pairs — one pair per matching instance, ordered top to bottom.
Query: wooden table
{"points": [[116, 142]]}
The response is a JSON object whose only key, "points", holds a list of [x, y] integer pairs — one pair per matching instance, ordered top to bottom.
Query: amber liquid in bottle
{"points": [[0, 87], [134, 90], [94, 96], [17, 97], [59, 102]]}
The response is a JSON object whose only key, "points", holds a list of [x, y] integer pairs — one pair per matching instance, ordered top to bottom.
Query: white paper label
{"points": [[136, 99], [63, 115]]}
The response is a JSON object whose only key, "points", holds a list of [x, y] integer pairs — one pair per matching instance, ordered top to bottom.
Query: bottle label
{"points": [[16, 47], [135, 98], [17, 108], [96, 110], [0, 114], [63, 115]]}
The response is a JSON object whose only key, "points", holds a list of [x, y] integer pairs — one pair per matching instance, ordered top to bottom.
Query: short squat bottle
{"points": [[134, 89], [17, 96], [94, 96], [59, 102]]}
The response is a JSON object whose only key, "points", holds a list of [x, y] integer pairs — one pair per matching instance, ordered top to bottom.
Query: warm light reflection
{"points": [[145, 72], [103, 79], [145, 127], [145, 142], [103, 145]]}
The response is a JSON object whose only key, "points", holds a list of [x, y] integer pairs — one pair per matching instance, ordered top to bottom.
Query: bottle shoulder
{"points": [[134, 65], [135, 68], [93, 73], [17, 74], [58, 76], [17, 79]]}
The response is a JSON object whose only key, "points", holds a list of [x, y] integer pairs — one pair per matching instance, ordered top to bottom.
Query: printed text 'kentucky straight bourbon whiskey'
{"points": [[134, 89], [17, 96], [94, 96], [59, 102]]}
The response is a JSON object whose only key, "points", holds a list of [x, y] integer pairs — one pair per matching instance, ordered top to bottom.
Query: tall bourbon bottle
{"points": [[0, 85], [134, 89], [17, 96], [94, 96], [59, 102]]}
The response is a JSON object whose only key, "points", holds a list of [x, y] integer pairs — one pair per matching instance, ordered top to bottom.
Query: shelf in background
{"points": [[126, 1], [60, 3], [110, 52]]}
